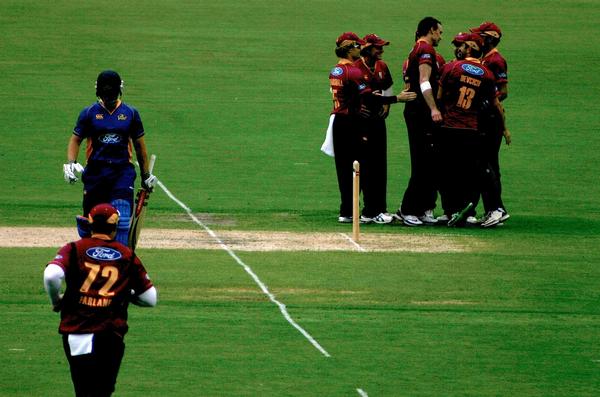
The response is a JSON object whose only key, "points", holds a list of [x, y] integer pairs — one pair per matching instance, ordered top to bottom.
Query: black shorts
{"points": [[95, 374]]}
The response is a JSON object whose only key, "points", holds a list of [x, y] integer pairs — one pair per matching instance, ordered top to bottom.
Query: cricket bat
{"points": [[137, 218]]}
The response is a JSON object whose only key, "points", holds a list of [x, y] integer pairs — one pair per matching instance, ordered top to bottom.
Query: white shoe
{"points": [[505, 215], [383, 218], [428, 218], [443, 218], [492, 218], [345, 219], [366, 220], [411, 220], [472, 221]]}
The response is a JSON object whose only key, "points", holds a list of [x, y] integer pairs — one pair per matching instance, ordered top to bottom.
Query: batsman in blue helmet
{"points": [[112, 130]]}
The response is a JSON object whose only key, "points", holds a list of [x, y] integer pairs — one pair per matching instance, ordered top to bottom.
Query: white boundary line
{"points": [[357, 245], [263, 287], [362, 393]]}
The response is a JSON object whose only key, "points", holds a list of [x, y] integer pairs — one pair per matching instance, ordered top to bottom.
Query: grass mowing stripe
{"points": [[248, 270]]}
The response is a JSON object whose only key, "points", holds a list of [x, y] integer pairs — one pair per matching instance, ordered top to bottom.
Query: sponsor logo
{"points": [[426, 56], [472, 69], [337, 71], [362, 86], [99, 117], [122, 117], [110, 138], [103, 253], [58, 257]]}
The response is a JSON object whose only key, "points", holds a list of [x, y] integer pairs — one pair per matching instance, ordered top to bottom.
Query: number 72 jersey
{"points": [[465, 87], [99, 276]]}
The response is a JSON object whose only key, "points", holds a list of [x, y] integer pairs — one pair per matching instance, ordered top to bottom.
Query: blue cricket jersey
{"points": [[109, 134]]}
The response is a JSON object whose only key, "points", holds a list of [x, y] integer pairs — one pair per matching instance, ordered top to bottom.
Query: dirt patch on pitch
{"points": [[253, 240]]}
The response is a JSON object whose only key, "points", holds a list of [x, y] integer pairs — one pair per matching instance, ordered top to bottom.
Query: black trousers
{"points": [[347, 146], [374, 167], [461, 167], [490, 184], [421, 193], [95, 374]]}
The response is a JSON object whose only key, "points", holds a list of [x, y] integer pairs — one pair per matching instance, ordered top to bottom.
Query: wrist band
{"points": [[425, 86]]}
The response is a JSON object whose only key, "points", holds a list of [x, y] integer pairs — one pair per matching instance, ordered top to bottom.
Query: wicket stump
{"points": [[355, 202]]}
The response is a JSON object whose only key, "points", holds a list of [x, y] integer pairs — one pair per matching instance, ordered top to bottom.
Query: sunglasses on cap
{"points": [[354, 45]]}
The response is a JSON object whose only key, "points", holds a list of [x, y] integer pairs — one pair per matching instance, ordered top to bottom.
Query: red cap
{"points": [[488, 28], [348, 36], [460, 38], [373, 39], [473, 40], [104, 214]]}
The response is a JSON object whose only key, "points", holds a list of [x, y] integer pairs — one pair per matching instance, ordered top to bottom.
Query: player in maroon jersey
{"points": [[377, 76], [466, 86], [349, 93], [421, 116], [494, 206], [102, 277]]}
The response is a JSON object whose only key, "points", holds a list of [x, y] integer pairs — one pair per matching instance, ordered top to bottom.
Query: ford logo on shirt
{"points": [[472, 69], [337, 71], [110, 138], [103, 254]]}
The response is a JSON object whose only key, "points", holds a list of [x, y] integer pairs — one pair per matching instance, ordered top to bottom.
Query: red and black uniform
{"points": [[346, 85], [466, 86], [493, 134], [374, 169], [421, 192], [100, 278]]}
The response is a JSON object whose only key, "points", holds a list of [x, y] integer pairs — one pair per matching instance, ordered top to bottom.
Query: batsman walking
{"points": [[111, 129]]}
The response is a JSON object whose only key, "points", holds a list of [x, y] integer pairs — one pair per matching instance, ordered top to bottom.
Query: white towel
{"points": [[327, 146], [80, 344]]}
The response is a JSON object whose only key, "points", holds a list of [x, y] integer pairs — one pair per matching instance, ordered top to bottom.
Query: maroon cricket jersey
{"points": [[422, 53], [439, 60], [497, 64], [377, 79], [465, 85], [346, 87], [99, 277]]}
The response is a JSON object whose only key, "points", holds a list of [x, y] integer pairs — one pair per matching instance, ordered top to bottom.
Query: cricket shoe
{"points": [[505, 214], [383, 218], [428, 218], [459, 218], [492, 218], [345, 219], [380, 219], [443, 219], [408, 220], [472, 221]]}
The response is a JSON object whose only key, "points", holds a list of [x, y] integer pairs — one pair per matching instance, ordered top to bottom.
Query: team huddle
{"points": [[455, 122]]}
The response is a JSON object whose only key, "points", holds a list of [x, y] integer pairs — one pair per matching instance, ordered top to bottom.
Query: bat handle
{"points": [[152, 161]]}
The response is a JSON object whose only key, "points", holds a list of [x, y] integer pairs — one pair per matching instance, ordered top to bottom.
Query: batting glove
{"points": [[70, 169], [149, 181]]}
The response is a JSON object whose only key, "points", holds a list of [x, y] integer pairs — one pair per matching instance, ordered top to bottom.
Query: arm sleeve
{"points": [[53, 277], [148, 298]]}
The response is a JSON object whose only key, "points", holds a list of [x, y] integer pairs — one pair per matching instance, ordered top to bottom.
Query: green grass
{"points": [[235, 101]]}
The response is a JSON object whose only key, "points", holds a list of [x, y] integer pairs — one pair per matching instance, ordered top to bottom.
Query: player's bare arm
{"points": [[426, 90], [500, 110], [141, 153], [72, 166]]}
